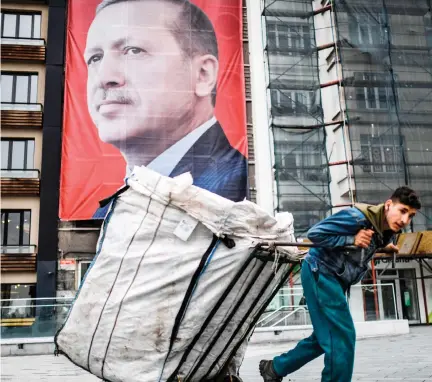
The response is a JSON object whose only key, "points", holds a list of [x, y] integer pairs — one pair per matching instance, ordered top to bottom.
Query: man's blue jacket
{"points": [[334, 234]]}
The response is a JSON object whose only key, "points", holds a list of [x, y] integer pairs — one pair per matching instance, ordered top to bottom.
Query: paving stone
{"points": [[387, 359]]}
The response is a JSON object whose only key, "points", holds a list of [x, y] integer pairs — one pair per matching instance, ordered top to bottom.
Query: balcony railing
{"points": [[23, 49], [20, 106], [21, 115], [20, 173], [16, 182], [18, 249], [18, 258], [33, 317]]}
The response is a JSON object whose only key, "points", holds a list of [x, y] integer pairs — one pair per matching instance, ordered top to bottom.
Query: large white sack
{"points": [[127, 324]]}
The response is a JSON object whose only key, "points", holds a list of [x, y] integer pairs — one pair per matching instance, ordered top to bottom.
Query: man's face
{"points": [[140, 83], [398, 215]]}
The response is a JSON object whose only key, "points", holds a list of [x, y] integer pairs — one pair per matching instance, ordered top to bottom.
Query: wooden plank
{"points": [[14, 52], [21, 118], [19, 186], [408, 242], [425, 244], [18, 262]]}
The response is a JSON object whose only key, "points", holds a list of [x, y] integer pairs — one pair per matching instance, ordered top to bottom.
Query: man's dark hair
{"points": [[193, 30], [407, 196]]}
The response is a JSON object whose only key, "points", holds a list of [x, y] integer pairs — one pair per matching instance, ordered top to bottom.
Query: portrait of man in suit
{"points": [[151, 92]]}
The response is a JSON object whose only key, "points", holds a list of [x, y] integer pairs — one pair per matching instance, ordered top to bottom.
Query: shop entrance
{"points": [[403, 296]]}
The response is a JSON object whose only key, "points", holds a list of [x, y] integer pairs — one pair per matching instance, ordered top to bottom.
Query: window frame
{"points": [[17, 23], [368, 26], [298, 37], [15, 75], [376, 92], [374, 101], [298, 108], [26, 152], [308, 163], [384, 166], [21, 225], [80, 272]]}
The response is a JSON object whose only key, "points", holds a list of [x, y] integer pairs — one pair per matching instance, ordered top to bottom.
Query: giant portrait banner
{"points": [[155, 83]]}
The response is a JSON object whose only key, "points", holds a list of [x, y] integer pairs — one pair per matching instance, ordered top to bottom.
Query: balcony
{"points": [[23, 49], [21, 115], [18, 182], [18, 258]]}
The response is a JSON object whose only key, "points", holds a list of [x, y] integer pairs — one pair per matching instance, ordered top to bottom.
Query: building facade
{"points": [[32, 43], [349, 101]]}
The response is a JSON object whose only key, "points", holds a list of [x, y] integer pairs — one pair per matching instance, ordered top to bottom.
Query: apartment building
{"points": [[31, 103], [349, 108]]}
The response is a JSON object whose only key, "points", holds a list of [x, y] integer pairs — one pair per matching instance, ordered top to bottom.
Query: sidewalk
{"points": [[401, 358]]}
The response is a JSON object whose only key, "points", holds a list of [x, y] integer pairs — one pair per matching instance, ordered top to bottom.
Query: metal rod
{"points": [[297, 244], [283, 280], [375, 290], [424, 291]]}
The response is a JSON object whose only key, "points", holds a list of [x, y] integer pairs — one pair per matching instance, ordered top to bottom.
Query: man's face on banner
{"points": [[140, 82]]}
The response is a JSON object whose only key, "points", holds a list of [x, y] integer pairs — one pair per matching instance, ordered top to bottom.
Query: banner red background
{"points": [[93, 170]]}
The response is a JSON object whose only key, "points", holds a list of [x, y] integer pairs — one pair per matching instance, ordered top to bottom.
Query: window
{"points": [[20, 25], [367, 29], [428, 29], [287, 37], [19, 87], [377, 94], [293, 102], [381, 153], [17, 154], [303, 162], [427, 212], [15, 227], [83, 267], [17, 308]]}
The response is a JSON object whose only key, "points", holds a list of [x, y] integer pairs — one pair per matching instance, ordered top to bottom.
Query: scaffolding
{"points": [[385, 49], [382, 52], [297, 124]]}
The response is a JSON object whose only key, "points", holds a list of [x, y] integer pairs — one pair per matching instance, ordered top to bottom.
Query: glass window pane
{"points": [[25, 26], [36, 26], [9, 28], [6, 87], [33, 89], [21, 92], [18, 149], [4, 154], [30, 154], [389, 159], [3, 226], [13, 228], [26, 228], [84, 269]]}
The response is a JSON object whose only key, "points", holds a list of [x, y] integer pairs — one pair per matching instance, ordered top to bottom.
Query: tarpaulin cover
{"points": [[153, 306]]}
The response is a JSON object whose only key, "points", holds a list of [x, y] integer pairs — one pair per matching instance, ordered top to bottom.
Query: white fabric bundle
{"points": [[157, 303]]}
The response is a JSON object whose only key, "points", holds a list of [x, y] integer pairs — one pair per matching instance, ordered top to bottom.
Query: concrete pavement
{"points": [[398, 358]]}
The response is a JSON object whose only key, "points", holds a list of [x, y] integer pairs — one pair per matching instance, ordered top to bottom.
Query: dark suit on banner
{"points": [[214, 165]]}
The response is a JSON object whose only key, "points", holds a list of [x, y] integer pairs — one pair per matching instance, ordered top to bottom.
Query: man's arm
{"points": [[337, 230]]}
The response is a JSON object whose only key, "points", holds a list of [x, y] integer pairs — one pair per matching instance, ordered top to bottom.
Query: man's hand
{"points": [[363, 238], [391, 248]]}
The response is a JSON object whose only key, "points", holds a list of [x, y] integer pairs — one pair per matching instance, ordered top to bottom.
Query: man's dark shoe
{"points": [[268, 372]]}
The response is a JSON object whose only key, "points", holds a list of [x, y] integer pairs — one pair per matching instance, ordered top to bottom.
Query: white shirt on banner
{"points": [[166, 162]]}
